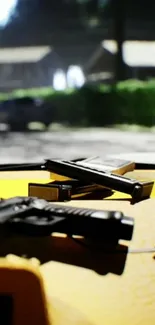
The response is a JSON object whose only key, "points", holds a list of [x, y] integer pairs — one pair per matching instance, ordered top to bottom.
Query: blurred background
{"points": [[77, 78]]}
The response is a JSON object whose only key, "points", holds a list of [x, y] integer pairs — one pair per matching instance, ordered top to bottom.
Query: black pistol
{"points": [[33, 216]]}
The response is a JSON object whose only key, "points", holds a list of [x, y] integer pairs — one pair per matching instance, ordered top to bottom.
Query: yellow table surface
{"points": [[86, 286]]}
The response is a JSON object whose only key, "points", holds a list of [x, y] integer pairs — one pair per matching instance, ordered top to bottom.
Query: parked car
{"points": [[17, 113]]}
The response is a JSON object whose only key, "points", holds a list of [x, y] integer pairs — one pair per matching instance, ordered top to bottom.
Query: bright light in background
{"points": [[6, 9], [75, 77], [59, 80]]}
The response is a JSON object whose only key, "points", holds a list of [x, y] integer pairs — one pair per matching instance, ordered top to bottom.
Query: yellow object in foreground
{"points": [[83, 286], [22, 296], [23, 299]]}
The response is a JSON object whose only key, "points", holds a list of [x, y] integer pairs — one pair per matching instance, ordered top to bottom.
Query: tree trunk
{"points": [[119, 30]]}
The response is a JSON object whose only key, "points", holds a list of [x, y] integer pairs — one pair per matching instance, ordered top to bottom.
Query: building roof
{"points": [[135, 53], [30, 54]]}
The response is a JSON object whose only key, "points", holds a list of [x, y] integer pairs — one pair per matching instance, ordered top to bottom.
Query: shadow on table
{"points": [[103, 258]]}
